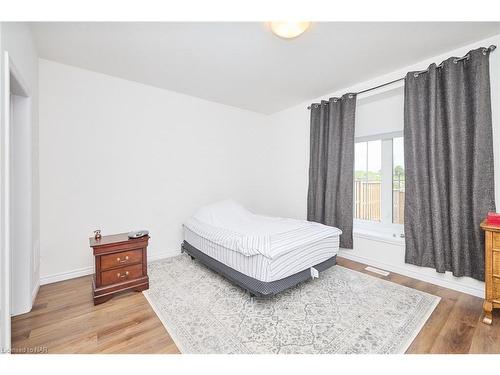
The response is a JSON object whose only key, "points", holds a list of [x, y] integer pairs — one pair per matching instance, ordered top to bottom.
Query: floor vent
{"points": [[376, 270]]}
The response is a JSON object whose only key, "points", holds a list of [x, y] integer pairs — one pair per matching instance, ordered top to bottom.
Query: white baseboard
{"points": [[162, 255], [85, 271], [61, 276], [436, 280], [451, 284], [35, 292], [29, 306]]}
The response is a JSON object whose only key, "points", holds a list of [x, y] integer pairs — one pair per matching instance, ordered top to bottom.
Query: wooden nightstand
{"points": [[120, 264], [491, 270]]}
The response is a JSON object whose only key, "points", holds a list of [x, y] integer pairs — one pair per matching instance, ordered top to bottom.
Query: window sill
{"points": [[378, 235]]}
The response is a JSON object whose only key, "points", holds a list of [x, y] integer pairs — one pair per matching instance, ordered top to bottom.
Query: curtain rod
{"points": [[490, 49]]}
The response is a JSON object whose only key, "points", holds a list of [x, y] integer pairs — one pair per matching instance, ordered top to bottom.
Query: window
{"points": [[367, 180], [379, 181], [398, 181]]}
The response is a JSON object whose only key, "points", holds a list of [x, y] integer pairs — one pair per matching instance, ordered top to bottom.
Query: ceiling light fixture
{"points": [[289, 30]]}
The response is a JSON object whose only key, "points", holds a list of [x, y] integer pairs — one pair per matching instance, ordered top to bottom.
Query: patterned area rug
{"points": [[343, 311]]}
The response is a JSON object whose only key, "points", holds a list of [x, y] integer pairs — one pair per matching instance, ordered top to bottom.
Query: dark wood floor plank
{"points": [[458, 331], [487, 337], [424, 341]]}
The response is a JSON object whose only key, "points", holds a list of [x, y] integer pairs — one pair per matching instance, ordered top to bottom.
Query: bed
{"points": [[262, 254]]}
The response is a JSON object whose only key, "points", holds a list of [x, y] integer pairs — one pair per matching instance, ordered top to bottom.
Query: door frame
{"points": [[18, 87], [5, 262]]}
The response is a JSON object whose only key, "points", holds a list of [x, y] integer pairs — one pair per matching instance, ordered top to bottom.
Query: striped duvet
{"points": [[262, 247], [262, 268]]}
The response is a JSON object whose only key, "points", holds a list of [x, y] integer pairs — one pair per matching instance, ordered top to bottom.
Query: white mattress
{"points": [[232, 226], [262, 247], [264, 268]]}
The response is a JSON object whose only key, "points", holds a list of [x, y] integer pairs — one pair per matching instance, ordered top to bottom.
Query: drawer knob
{"points": [[119, 260], [122, 276]]}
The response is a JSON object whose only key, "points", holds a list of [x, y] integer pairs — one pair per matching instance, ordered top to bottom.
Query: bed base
{"points": [[255, 287]]}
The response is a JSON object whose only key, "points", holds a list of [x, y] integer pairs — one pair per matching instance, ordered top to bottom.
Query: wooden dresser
{"points": [[120, 265], [492, 270]]}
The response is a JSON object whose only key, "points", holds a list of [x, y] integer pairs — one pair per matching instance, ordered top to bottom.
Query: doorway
{"points": [[17, 259]]}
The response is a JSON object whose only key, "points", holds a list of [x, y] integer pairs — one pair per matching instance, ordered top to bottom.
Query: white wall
{"points": [[18, 42], [106, 141], [119, 155], [291, 161], [4, 256], [23, 278]]}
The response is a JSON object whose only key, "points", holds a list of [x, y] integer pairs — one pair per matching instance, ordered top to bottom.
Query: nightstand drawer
{"points": [[496, 241], [121, 259], [496, 263], [121, 274], [496, 288]]}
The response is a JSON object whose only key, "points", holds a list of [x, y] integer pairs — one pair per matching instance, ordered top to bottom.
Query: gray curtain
{"points": [[448, 164], [331, 166]]}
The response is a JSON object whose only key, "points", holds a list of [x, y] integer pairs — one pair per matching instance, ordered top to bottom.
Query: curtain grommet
{"points": [[485, 50], [455, 61], [415, 75], [351, 96], [335, 100]]}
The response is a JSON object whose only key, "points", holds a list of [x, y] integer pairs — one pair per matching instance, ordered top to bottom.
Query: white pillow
{"points": [[218, 213]]}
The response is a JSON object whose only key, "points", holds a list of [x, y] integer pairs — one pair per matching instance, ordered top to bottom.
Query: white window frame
{"points": [[385, 226]]}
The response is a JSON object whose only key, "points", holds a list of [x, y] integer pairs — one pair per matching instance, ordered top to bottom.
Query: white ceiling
{"points": [[244, 64]]}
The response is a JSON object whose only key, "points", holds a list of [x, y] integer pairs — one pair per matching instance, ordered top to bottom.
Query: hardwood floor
{"points": [[64, 320], [455, 325]]}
